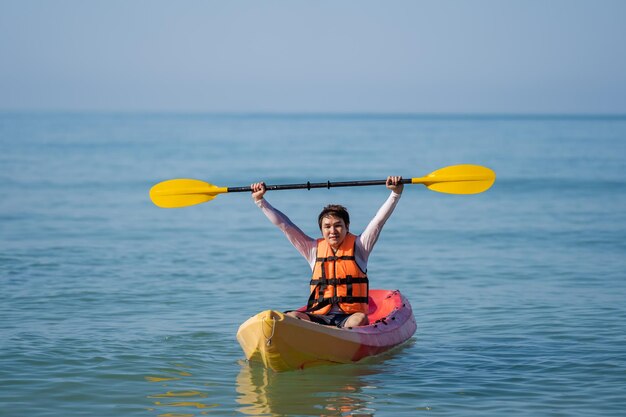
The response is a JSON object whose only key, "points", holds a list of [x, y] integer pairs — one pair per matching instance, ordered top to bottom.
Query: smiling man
{"points": [[339, 285]]}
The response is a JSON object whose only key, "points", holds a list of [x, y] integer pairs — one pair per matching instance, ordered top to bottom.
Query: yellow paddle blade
{"points": [[458, 179], [183, 193]]}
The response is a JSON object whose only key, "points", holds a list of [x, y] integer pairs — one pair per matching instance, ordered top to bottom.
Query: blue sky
{"points": [[440, 56]]}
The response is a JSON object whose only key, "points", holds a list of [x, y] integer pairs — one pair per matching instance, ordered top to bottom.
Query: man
{"points": [[339, 286]]}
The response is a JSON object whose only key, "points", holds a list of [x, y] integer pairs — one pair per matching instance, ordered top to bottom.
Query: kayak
{"points": [[284, 343]]}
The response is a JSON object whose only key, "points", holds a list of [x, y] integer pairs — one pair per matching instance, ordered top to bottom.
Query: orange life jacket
{"points": [[337, 278]]}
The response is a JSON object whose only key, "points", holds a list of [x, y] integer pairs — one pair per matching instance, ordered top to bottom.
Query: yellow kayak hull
{"points": [[285, 343]]}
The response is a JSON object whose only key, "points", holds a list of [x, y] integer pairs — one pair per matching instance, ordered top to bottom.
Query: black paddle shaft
{"points": [[310, 185]]}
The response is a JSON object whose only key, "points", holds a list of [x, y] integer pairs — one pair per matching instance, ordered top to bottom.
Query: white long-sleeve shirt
{"points": [[307, 246]]}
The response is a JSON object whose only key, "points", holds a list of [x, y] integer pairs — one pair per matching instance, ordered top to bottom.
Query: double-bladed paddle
{"points": [[456, 179]]}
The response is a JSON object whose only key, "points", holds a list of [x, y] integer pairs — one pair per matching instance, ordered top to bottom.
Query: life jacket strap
{"points": [[335, 258], [339, 281], [321, 284], [314, 304]]}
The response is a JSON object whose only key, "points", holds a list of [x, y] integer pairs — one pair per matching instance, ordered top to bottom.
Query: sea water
{"points": [[112, 306]]}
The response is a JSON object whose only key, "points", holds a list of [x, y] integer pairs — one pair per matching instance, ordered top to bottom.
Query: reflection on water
{"points": [[177, 390], [335, 390], [325, 391], [183, 403]]}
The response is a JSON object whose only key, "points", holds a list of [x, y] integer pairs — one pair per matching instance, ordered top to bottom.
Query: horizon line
{"points": [[330, 114]]}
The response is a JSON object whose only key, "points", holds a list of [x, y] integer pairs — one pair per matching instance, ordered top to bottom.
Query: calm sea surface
{"points": [[110, 306]]}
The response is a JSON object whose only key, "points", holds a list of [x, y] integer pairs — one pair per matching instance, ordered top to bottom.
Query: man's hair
{"points": [[334, 210]]}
